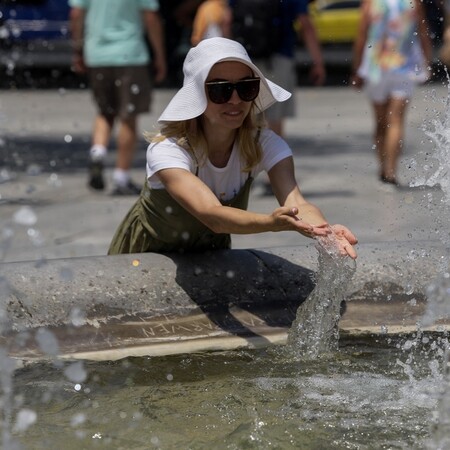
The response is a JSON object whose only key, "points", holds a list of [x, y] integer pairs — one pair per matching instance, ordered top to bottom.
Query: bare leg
{"points": [[380, 112], [102, 130], [101, 135], [394, 136], [126, 143], [126, 146]]}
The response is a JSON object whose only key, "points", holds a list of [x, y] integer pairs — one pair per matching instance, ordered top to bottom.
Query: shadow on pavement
{"points": [[35, 154]]}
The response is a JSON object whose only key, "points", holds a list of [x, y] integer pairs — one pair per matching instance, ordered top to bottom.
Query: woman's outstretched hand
{"points": [[341, 240]]}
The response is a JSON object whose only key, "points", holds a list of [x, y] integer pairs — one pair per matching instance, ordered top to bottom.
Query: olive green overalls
{"points": [[157, 223]]}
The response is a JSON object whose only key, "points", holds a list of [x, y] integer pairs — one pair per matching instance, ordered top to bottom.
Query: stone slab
{"points": [[150, 304]]}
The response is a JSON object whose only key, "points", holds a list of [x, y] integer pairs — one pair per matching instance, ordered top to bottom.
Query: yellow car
{"points": [[336, 21]]}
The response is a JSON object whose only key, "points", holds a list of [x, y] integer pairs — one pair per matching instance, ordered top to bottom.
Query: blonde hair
{"points": [[190, 136]]}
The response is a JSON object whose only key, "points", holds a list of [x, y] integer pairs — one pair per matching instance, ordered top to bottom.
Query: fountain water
{"points": [[438, 292], [315, 330]]}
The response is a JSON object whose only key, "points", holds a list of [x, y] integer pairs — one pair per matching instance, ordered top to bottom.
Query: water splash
{"points": [[438, 173], [438, 292], [438, 306], [315, 329], [441, 431]]}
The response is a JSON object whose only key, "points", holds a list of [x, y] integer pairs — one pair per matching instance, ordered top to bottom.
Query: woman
{"points": [[213, 18], [391, 55], [201, 165]]}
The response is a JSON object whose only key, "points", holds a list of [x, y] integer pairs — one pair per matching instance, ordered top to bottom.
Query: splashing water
{"points": [[439, 173], [438, 292], [315, 329]]}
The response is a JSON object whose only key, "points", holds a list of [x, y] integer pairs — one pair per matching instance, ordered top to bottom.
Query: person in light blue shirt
{"points": [[109, 40]]}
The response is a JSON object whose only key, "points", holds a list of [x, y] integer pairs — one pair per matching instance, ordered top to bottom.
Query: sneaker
{"points": [[96, 180], [128, 189]]}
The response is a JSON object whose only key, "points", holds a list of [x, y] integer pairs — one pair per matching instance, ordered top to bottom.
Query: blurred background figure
{"points": [[435, 11], [178, 17], [213, 19], [269, 30], [109, 40], [444, 51], [392, 54]]}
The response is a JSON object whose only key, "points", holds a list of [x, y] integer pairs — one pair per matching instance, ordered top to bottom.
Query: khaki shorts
{"points": [[121, 91]]}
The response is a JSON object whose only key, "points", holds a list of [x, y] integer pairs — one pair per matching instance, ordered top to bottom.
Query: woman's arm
{"points": [[76, 26], [309, 34], [285, 188], [287, 192], [200, 201]]}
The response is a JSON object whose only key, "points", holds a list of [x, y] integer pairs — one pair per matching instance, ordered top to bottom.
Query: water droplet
{"points": [[34, 170], [54, 181], [25, 216], [77, 317], [47, 342], [76, 372], [25, 418], [77, 419]]}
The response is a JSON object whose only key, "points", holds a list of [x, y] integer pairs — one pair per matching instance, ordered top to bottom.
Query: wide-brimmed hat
{"points": [[190, 101]]}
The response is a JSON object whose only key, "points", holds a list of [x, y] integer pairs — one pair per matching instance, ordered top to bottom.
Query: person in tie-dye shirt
{"points": [[391, 55]]}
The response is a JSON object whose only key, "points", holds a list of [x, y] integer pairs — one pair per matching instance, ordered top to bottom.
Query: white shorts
{"points": [[391, 85]]}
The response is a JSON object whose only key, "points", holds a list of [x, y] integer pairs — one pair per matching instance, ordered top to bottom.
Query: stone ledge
{"points": [[151, 304]]}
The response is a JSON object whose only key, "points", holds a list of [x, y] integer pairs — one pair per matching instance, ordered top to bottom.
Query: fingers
{"points": [[306, 228], [321, 230], [344, 232], [338, 241], [339, 247], [350, 251]]}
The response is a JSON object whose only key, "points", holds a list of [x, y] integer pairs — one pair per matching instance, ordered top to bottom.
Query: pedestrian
{"points": [[178, 17], [213, 19], [288, 21], [110, 44], [444, 50], [391, 55], [200, 166]]}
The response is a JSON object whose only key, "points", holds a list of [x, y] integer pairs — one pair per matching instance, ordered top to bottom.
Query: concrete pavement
{"points": [[48, 212]]}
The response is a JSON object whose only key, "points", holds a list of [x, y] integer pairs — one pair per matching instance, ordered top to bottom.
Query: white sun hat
{"points": [[190, 101]]}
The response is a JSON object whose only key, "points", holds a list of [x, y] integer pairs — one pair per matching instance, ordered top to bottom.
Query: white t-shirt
{"points": [[226, 181]]}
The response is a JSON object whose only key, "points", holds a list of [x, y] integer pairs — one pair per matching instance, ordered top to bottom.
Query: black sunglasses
{"points": [[221, 91]]}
